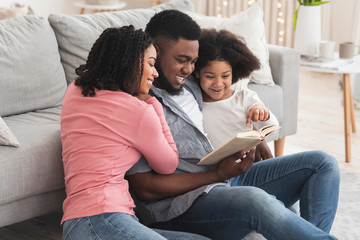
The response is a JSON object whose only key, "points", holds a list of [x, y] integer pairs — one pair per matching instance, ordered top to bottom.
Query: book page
{"points": [[268, 130], [249, 133]]}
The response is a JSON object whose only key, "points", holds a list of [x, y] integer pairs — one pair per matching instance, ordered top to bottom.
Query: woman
{"points": [[108, 121]]}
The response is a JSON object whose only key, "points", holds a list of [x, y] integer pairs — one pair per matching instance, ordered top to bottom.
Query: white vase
{"points": [[308, 30]]}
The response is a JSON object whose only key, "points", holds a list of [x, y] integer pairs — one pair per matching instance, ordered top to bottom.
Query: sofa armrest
{"points": [[285, 64]]}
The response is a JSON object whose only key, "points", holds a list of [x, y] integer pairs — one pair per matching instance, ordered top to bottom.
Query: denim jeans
{"points": [[259, 200], [108, 226]]}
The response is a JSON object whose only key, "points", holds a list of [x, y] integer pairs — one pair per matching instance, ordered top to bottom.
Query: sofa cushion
{"points": [[76, 34], [32, 76], [35, 166]]}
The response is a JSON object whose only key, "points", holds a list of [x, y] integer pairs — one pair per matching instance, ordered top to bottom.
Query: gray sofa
{"points": [[37, 61]]}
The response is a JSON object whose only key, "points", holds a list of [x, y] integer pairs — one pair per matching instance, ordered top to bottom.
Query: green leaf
{"points": [[312, 2], [319, 3], [295, 17]]}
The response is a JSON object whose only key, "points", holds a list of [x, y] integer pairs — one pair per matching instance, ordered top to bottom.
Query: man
{"points": [[231, 199]]}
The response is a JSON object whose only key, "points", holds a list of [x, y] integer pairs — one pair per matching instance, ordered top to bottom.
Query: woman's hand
{"points": [[257, 113]]}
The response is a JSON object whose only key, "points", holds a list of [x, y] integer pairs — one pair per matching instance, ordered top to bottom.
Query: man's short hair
{"points": [[173, 24]]}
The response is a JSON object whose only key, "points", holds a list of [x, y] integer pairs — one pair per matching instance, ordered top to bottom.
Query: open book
{"points": [[242, 141]]}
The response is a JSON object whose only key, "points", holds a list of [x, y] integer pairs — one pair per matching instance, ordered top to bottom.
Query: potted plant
{"points": [[306, 3], [307, 26]]}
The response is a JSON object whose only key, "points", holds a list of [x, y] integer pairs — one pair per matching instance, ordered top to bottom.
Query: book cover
{"points": [[245, 141]]}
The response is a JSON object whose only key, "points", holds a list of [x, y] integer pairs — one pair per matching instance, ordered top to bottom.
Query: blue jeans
{"points": [[259, 200], [108, 226]]}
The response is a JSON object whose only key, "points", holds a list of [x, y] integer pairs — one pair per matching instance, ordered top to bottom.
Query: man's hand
{"points": [[143, 97], [257, 113], [262, 152], [229, 168], [150, 186]]}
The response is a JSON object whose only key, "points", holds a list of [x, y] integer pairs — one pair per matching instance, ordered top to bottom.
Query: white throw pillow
{"points": [[249, 25], [7, 138]]}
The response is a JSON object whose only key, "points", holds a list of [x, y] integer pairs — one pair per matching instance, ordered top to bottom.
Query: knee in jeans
{"points": [[327, 161], [259, 199]]}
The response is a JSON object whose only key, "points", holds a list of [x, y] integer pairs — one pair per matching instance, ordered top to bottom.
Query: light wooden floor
{"points": [[321, 119], [320, 126]]}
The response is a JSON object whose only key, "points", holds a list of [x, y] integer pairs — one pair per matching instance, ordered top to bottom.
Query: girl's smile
{"points": [[215, 80]]}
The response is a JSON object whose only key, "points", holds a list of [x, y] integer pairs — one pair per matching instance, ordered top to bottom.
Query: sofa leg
{"points": [[279, 147]]}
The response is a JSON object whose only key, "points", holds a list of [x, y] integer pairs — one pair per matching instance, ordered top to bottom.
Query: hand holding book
{"points": [[242, 141], [263, 152], [229, 167]]}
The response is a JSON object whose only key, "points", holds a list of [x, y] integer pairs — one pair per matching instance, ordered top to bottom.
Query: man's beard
{"points": [[166, 85]]}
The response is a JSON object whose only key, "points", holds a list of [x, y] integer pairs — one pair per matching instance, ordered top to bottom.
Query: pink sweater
{"points": [[102, 138]]}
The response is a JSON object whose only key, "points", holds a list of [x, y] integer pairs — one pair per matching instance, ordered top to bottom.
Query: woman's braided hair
{"points": [[225, 46], [115, 61]]}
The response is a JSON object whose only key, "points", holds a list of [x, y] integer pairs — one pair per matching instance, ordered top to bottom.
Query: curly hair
{"points": [[173, 24], [225, 46], [115, 61]]}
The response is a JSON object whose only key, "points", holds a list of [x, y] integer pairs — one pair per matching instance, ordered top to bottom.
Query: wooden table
{"points": [[155, 2], [99, 7], [349, 117]]}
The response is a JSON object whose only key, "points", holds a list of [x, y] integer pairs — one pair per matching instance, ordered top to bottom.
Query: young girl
{"points": [[223, 60], [108, 121]]}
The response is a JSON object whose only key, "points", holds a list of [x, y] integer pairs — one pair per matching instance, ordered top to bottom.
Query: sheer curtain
{"points": [[278, 15], [340, 18], [341, 21]]}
